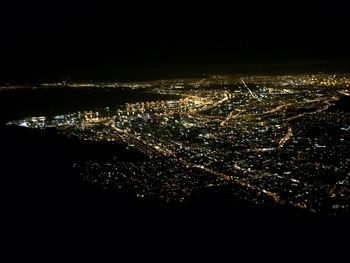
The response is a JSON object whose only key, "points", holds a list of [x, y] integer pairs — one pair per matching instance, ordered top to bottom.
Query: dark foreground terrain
{"points": [[50, 214]]}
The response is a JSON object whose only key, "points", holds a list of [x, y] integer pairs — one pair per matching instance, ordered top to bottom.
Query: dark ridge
{"points": [[53, 212]]}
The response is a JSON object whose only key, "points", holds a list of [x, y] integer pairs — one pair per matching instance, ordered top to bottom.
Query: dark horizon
{"points": [[90, 40], [143, 73]]}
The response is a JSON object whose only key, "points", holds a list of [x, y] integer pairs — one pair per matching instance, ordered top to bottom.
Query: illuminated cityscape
{"points": [[175, 131], [269, 140]]}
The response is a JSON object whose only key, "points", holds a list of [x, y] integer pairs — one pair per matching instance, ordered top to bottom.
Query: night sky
{"points": [[94, 40]]}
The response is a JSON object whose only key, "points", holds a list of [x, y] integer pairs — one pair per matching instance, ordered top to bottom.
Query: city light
{"points": [[273, 140]]}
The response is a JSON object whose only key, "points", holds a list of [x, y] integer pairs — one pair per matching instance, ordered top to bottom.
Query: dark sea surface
{"points": [[50, 214]]}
